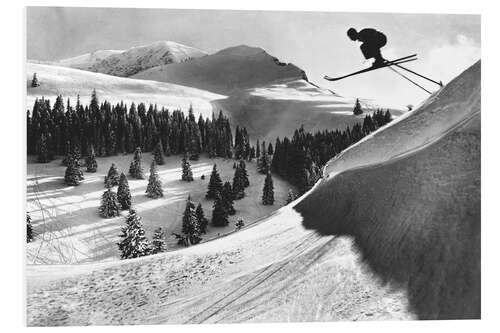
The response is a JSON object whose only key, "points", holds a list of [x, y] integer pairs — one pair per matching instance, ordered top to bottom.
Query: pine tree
{"points": [[34, 81], [357, 108], [43, 149], [270, 150], [158, 153], [90, 161], [263, 163], [135, 169], [73, 174], [187, 174], [244, 174], [113, 177], [238, 184], [214, 185], [154, 189], [268, 191], [123, 193], [291, 196], [227, 197], [110, 207], [219, 213], [202, 220], [190, 224], [29, 229], [133, 242], [158, 242]]}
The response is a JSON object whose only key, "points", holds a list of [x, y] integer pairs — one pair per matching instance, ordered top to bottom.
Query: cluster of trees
{"points": [[107, 130], [299, 159], [134, 243]]}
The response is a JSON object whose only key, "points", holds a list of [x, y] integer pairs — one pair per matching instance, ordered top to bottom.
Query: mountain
{"points": [[87, 60], [129, 62], [230, 69], [55, 80], [407, 196]]}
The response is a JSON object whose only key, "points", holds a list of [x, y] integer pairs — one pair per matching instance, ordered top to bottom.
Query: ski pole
{"points": [[422, 76], [407, 78]]}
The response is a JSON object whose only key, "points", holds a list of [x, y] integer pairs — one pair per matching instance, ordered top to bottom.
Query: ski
{"points": [[386, 64]]}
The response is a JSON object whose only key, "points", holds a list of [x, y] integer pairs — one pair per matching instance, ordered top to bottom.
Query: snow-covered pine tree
{"points": [[34, 81], [357, 108], [43, 149], [68, 152], [158, 153], [90, 161], [263, 163], [135, 170], [73, 174], [187, 174], [244, 174], [113, 177], [214, 184], [238, 184], [154, 189], [268, 191], [123, 193], [227, 197], [110, 207], [219, 213], [202, 220], [190, 224], [29, 229], [133, 242], [158, 243]]}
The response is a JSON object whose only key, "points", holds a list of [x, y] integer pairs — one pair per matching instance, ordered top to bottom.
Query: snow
{"points": [[87, 60], [128, 62], [71, 82], [409, 195], [70, 230], [274, 270]]}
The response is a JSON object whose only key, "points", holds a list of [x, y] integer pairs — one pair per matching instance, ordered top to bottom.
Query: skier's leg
{"points": [[365, 49]]}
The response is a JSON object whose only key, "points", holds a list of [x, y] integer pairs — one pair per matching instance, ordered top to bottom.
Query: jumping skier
{"points": [[372, 40]]}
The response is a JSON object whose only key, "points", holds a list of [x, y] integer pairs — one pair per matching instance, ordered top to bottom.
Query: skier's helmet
{"points": [[352, 33]]}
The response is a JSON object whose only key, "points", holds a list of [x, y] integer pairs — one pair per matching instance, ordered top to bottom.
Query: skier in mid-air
{"points": [[372, 40]]}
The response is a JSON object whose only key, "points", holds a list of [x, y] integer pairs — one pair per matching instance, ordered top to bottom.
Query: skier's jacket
{"points": [[372, 37]]}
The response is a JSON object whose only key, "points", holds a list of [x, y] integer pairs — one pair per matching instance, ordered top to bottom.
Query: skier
{"points": [[372, 40]]}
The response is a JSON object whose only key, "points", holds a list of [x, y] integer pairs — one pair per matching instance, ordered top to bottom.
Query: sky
{"points": [[315, 41]]}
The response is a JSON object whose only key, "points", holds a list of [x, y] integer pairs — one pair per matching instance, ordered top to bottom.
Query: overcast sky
{"points": [[314, 41]]}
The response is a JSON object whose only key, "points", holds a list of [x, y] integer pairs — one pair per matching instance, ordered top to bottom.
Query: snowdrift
{"points": [[71, 82], [410, 196]]}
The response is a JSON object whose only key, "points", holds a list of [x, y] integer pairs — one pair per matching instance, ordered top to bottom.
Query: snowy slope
{"points": [[140, 58], [87, 60], [232, 68], [71, 82], [278, 108], [268, 111], [410, 195], [277, 270]]}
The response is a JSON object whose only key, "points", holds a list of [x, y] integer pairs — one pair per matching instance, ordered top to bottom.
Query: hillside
{"points": [[87, 60], [129, 62], [228, 70], [72, 82], [268, 111], [413, 189], [413, 213], [70, 231]]}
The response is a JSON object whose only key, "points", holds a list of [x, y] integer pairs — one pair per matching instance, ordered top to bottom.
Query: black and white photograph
{"points": [[229, 166]]}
